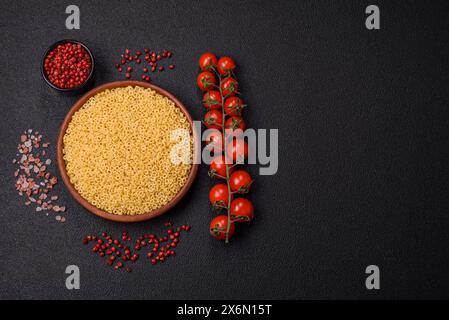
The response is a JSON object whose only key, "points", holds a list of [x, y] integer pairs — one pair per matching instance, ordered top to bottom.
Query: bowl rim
{"points": [[54, 45], [104, 214]]}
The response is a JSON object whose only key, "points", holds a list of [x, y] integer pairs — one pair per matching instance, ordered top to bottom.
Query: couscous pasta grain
{"points": [[117, 150]]}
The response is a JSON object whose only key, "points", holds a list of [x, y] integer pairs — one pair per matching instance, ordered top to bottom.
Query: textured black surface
{"points": [[363, 149]]}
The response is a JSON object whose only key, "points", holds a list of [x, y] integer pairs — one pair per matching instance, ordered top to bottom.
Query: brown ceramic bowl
{"points": [[84, 202]]}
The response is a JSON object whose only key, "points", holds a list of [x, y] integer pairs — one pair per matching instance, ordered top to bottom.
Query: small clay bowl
{"points": [[76, 90], [84, 202]]}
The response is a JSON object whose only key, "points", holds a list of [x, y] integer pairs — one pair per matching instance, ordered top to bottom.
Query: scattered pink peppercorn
{"points": [[151, 58], [106, 245]]}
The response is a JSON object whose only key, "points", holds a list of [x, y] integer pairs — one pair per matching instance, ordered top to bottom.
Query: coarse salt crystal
{"points": [[31, 167]]}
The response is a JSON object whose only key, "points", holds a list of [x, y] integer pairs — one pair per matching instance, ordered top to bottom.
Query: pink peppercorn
{"points": [[67, 65]]}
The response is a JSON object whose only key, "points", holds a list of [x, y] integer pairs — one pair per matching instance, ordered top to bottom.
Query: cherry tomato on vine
{"points": [[207, 60], [225, 65], [206, 80], [229, 87], [212, 100], [233, 106], [213, 119], [235, 123], [214, 140], [237, 150], [218, 167], [240, 181], [218, 195], [242, 210], [218, 227]]}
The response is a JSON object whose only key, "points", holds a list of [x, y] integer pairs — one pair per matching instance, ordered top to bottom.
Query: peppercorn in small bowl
{"points": [[68, 66]]}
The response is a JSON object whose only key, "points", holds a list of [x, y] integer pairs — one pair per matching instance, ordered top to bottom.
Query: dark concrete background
{"points": [[363, 149]]}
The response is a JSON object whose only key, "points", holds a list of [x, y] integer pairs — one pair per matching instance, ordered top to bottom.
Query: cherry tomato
{"points": [[207, 60], [225, 65], [206, 80], [229, 87], [212, 100], [233, 106], [213, 119], [235, 123], [214, 140], [237, 150], [218, 167], [240, 181], [218, 195], [242, 210], [219, 226]]}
